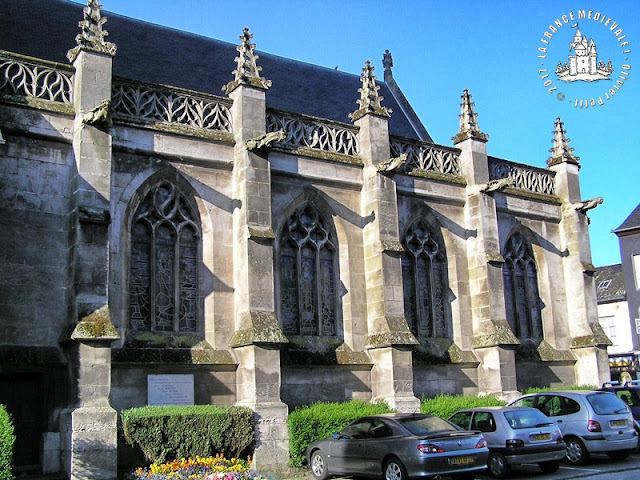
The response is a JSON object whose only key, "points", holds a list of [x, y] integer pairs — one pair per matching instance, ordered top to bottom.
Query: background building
{"points": [[296, 236]]}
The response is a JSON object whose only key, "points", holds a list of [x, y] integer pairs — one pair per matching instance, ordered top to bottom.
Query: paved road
{"points": [[600, 467]]}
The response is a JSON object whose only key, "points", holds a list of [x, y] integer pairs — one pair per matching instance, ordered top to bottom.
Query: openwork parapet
{"points": [[24, 76], [150, 104], [312, 133], [427, 157], [524, 177]]}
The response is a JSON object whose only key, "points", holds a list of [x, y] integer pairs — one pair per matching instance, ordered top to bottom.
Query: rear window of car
{"points": [[607, 404], [526, 419], [422, 425]]}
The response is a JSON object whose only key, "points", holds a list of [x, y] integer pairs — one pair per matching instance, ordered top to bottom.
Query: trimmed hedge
{"points": [[549, 389], [446, 405], [321, 420], [169, 432], [7, 441]]}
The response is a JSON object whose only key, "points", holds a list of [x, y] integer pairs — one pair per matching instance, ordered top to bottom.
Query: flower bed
{"points": [[199, 468]]}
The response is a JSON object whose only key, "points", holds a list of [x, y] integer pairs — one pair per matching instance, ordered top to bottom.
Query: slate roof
{"points": [[46, 29], [632, 222], [609, 282]]}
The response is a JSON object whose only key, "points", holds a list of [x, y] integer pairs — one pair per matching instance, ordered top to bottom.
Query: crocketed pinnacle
{"points": [[93, 36], [248, 71], [369, 99], [469, 121], [561, 151]]}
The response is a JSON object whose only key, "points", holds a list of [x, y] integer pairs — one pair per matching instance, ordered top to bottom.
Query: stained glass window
{"points": [[163, 272], [307, 275], [424, 282], [522, 300]]}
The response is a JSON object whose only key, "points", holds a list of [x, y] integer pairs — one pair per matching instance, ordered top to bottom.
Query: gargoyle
{"points": [[98, 116], [263, 142], [393, 165], [497, 185], [582, 207]]}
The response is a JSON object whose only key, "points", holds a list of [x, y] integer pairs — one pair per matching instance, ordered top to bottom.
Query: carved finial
{"points": [[93, 36], [387, 62], [248, 71], [369, 99], [469, 121], [561, 151]]}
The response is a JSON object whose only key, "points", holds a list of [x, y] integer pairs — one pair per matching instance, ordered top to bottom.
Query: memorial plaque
{"points": [[170, 389]]}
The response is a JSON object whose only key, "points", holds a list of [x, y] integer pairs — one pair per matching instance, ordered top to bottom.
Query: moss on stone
{"points": [[96, 326], [263, 328], [501, 335]]}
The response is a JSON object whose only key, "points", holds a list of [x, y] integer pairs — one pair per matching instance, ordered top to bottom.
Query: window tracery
{"points": [[163, 272], [307, 275], [424, 282], [522, 299]]}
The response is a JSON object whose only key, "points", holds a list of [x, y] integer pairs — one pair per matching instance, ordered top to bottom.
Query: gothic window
{"points": [[163, 272], [307, 275], [423, 279], [521, 294]]}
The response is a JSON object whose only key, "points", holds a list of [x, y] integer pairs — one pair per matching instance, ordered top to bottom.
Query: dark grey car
{"points": [[399, 446]]}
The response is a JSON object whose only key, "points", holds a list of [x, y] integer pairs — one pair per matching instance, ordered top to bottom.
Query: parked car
{"points": [[628, 392], [590, 422], [515, 435], [399, 446]]}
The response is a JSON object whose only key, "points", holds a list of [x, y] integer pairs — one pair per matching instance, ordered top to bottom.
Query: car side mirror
{"points": [[336, 435]]}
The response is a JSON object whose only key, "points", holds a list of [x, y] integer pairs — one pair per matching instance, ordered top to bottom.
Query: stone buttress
{"points": [[258, 336], [389, 339], [493, 340], [588, 340], [89, 425]]}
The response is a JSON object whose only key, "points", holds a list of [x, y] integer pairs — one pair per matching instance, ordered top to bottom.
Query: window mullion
{"points": [[152, 277], [300, 281], [176, 282], [514, 282], [318, 290], [432, 309]]}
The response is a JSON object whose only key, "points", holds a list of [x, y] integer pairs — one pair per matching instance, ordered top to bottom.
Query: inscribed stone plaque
{"points": [[170, 389]]}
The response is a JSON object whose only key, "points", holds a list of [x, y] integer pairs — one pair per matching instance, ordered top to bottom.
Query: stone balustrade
{"points": [[28, 77], [143, 103], [426, 156], [525, 177]]}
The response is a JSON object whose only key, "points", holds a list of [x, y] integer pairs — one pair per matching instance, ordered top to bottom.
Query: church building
{"points": [[270, 232]]}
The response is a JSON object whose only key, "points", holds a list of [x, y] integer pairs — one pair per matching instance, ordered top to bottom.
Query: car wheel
{"points": [[576, 452], [619, 455], [319, 466], [498, 466], [550, 466], [394, 470]]}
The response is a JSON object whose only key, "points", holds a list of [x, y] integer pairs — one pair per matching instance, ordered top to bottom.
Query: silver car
{"points": [[590, 421], [515, 435], [399, 446]]}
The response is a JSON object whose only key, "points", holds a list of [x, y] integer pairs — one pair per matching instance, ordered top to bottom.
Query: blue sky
{"points": [[440, 48]]}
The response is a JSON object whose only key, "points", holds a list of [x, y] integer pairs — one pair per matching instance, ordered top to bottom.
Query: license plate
{"points": [[618, 423], [541, 436], [462, 460]]}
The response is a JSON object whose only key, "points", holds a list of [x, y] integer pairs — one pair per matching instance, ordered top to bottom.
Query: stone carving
{"points": [[93, 36], [387, 61], [248, 71], [40, 80], [369, 99], [144, 104], [98, 116], [469, 121], [304, 132], [2, 140], [262, 143], [561, 151], [427, 156], [393, 165], [524, 177], [497, 185], [583, 207]]}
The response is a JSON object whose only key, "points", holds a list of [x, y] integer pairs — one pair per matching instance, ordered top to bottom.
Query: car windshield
{"points": [[629, 396], [607, 404], [526, 418], [423, 425]]}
